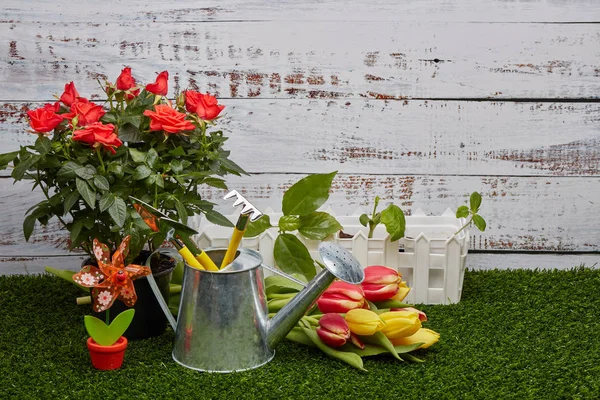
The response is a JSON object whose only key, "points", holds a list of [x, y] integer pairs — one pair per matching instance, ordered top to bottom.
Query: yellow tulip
{"points": [[403, 291], [364, 322], [400, 323], [423, 335]]}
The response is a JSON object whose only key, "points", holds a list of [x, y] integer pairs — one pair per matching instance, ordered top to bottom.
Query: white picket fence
{"points": [[432, 265]]}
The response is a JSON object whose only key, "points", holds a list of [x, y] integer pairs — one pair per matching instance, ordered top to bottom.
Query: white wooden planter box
{"points": [[432, 265]]}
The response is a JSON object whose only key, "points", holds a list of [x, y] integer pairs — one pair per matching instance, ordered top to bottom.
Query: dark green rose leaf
{"points": [[134, 120], [130, 133], [43, 145], [177, 152], [137, 156], [151, 157], [6, 158], [176, 166], [232, 167], [20, 170], [67, 171], [85, 172], [141, 172], [215, 182], [101, 183], [86, 192], [308, 194], [70, 200], [106, 201], [475, 202], [118, 211], [181, 212], [462, 212], [218, 219], [479, 222], [395, 223], [28, 225], [318, 225], [257, 227], [76, 229], [293, 257]]}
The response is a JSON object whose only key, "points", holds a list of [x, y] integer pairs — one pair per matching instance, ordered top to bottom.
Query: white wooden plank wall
{"points": [[420, 103]]}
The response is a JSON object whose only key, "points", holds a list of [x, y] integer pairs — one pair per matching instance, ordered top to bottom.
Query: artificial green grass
{"points": [[515, 334]]}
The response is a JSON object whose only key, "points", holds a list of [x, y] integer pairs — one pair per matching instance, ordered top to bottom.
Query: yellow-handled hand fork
{"points": [[249, 213]]}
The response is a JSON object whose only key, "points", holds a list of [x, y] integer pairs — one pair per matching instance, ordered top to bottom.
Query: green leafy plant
{"points": [[88, 159], [300, 204], [471, 212], [392, 217]]}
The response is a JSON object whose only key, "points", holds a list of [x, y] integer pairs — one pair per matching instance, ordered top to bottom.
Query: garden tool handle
{"points": [[236, 238], [199, 255], [158, 295]]}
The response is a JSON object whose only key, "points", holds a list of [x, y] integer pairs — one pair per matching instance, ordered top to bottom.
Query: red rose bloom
{"points": [[125, 81], [161, 86], [70, 94], [205, 105], [85, 111], [166, 118], [45, 119], [98, 134]]}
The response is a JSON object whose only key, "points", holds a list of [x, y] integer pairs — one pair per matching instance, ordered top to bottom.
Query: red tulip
{"points": [[381, 283], [341, 297], [333, 330]]}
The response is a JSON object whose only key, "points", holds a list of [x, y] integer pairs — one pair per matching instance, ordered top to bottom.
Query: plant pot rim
{"points": [[119, 345]]}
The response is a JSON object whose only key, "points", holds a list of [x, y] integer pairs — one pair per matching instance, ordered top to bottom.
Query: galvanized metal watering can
{"points": [[223, 323]]}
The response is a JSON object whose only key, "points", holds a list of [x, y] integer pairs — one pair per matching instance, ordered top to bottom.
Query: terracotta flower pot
{"points": [[107, 357]]}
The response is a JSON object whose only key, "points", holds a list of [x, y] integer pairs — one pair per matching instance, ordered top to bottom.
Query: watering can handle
{"points": [[283, 274], [159, 297]]}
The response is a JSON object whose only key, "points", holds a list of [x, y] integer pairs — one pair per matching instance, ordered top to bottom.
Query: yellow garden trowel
{"points": [[249, 213], [194, 256]]}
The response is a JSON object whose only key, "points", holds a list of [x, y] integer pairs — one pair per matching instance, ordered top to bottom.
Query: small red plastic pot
{"points": [[107, 357]]}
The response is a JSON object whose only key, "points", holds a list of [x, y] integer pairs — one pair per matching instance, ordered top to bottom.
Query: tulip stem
{"points": [[311, 320]]}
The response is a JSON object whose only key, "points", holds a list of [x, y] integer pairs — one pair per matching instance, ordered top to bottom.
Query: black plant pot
{"points": [[149, 319]]}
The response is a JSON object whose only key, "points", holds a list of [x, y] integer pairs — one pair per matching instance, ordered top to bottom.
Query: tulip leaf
{"points": [[307, 195], [394, 221], [318, 225], [257, 227], [293, 257], [66, 275], [275, 284], [391, 304], [298, 336], [381, 340], [374, 350], [347, 357]]}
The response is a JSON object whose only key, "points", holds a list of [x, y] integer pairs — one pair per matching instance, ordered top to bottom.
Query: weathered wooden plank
{"points": [[326, 10], [328, 60], [395, 137], [523, 213], [475, 261], [486, 261], [35, 265]]}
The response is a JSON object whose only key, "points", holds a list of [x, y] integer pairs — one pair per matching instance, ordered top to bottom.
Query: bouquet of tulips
{"points": [[354, 321]]}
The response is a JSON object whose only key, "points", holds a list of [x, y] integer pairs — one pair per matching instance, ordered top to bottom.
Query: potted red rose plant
{"points": [[89, 158]]}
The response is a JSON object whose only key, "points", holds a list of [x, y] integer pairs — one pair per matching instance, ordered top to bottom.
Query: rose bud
{"points": [[161, 85], [70, 94], [381, 283], [340, 297], [422, 316], [364, 322], [400, 323], [333, 330], [423, 335]]}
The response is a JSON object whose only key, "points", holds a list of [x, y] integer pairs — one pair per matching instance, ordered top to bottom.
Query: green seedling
{"points": [[471, 212], [392, 217]]}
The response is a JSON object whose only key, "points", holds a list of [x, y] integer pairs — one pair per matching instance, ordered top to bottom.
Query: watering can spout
{"points": [[339, 264]]}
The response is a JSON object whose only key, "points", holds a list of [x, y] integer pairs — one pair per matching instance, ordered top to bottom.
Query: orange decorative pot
{"points": [[107, 357]]}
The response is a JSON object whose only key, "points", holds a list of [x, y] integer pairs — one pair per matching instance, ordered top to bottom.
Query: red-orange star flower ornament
{"points": [[113, 280]]}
